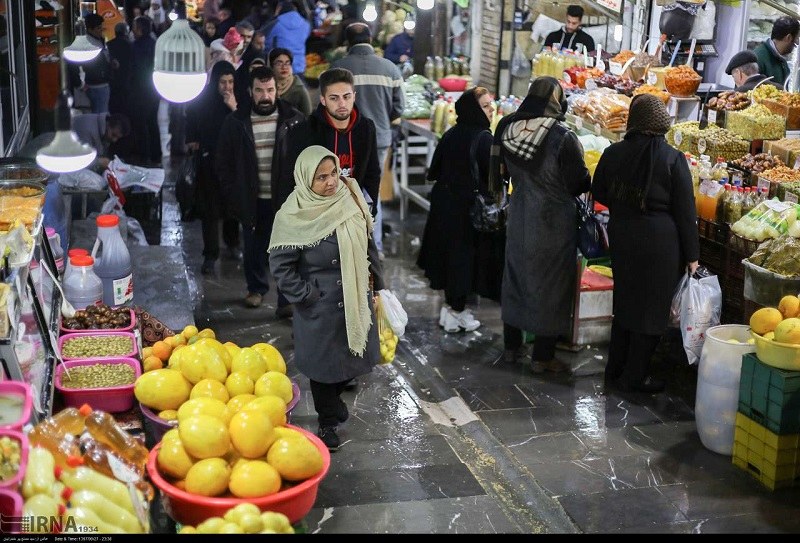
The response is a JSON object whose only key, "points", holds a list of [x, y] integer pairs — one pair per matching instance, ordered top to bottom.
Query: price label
{"points": [[601, 66], [614, 67], [652, 78], [590, 85], [712, 116], [578, 123], [678, 137], [701, 145], [763, 184], [791, 197]]}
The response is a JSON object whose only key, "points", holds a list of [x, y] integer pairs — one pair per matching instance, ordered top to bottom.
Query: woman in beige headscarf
{"points": [[321, 255]]}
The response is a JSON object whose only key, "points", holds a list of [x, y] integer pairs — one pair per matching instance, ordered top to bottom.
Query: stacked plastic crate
{"points": [[767, 436]]}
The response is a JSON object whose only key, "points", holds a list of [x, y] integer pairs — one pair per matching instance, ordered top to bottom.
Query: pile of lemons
{"points": [[781, 324], [388, 344], [244, 518]]}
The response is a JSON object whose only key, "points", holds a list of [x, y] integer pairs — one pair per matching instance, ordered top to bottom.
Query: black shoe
{"points": [[234, 253], [208, 267], [285, 312], [650, 385], [351, 386], [343, 413], [328, 436]]}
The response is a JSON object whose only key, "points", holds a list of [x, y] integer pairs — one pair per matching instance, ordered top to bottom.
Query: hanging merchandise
{"points": [[677, 20], [113, 265]]}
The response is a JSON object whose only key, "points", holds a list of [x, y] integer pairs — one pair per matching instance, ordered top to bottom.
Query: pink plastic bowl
{"points": [[128, 328], [66, 337], [19, 389], [109, 399], [161, 426], [12, 483], [10, 506], [191, 509]]}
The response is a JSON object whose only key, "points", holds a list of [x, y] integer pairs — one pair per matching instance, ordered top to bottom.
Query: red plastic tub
{"points": [[453, 84], [128, 328], [66, 337], [21, 390], [109, 399], [161, 426], [13, 482], [10, 506], [191, 509]]}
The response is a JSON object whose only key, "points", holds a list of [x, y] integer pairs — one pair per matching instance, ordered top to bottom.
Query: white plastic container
{"points": [[113, 265], [82, 286], [718, 376]]}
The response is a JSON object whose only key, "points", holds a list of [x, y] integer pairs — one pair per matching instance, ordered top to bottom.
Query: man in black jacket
{"points": [[571, 36], [97, 72], [337, 125], [251, 163]]}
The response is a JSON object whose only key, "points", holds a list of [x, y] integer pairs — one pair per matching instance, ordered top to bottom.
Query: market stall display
{"points": [[682, 81], [654, 90], [603, 107], [756, 122], [715, 141], [787, 149]]}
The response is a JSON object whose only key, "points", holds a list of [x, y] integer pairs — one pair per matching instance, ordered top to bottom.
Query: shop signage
{"points": [[613, 5]]}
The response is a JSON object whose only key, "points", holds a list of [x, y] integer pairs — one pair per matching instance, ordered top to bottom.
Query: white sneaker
{"points": [[442, 314], [467, 321], [450, 322]]}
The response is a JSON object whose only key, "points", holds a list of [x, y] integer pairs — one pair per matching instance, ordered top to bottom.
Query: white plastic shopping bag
{"points": [[700, 308], [395, 314]]}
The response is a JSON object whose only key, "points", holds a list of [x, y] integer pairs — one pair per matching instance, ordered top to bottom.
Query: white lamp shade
{"points": [[425, 4], [370, 13], [409, 24], [81, 50], [179, 72], [179, 87], [65, 154]]}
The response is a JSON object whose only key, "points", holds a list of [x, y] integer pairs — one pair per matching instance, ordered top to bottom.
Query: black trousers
{"points": [[230, 235], [256, 241], [457, 303], [544, 347], [629, 355], [327, 402]]}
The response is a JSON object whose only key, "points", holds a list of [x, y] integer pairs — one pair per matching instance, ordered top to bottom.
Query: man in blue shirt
{"points": [[401, 47]]}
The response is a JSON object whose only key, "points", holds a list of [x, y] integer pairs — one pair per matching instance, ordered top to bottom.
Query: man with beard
{"points": [[204, 118], [338, 125], [251, 163]]}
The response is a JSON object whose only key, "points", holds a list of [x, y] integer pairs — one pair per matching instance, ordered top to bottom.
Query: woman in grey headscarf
{"points": [[544, 160], [647, 187]]}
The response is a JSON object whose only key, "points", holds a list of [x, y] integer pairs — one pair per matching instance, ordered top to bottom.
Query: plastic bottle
{"points": [[429, 68], [722, 201], [733, 209], [114, 263], [82, 287], [104, 428], [62, 445], [97, 456]]}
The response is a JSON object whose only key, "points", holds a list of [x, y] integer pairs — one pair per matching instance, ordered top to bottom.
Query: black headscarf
{"points": [[223, 67], [545, 99], [469, 111], [648, 121]]}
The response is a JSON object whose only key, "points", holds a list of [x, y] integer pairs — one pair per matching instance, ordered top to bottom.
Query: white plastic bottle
{"points": [[113, 265], [82, 286]]}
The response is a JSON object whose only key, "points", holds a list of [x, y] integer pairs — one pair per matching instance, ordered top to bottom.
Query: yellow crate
{"points": [[771, 458]]}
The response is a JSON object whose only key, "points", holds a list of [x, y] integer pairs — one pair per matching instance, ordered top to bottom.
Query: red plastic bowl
{"points": [[453, 84], [18, 388], [108, 399], [161, 426], [12, 483], [11, 504], [191, 509]]}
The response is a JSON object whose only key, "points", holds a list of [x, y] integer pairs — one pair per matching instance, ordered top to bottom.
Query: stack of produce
{"points": [[315, 65], [682, 81], [652, 89], [416, 91], [766, 92], [729, 101], [603, 107], [756, 123], [718, 141], [788, 149], [756, 164], [778, 176], [769, 219], [779, 255], [244, 518]]}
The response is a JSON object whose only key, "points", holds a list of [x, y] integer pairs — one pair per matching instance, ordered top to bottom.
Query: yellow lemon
{"points": [[189, 331], [207, 332], [232, 348], [224, 354], [273, 356], [175, 359], [249, 361], [200, 362], [239, 382], [276, 384], [209, 388], [162, 389], [236, 403], [204, 406], [273, 406], [251, 433], [288, 433], [170, 434], [204, 436], [295, 459], [173, 460], [208, 477], [253, 479], [238, 511], [277, 522], [252, 523], [210, 526], [231, 528], [187, 530]]}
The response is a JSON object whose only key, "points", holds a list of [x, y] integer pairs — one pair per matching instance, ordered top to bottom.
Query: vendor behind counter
{"points": [[743, 67]]}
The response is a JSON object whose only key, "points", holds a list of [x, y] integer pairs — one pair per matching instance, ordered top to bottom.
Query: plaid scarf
{"points": [[523, 138]]}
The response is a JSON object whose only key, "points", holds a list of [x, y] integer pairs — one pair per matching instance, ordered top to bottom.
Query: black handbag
{"points": [[186, 187], [486, 214], [592, 233]]}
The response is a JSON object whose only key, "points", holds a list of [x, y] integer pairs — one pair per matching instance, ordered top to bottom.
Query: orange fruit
{"points": [[162, 350], [147, 351], [152, 362]]}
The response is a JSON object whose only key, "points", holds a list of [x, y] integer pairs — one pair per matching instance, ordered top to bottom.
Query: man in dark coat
{"points": [[571, 36], [121, 51], [773, 51], [743, 67], [97, 72], [144, 97], [204, 118], [337, 125], [251, 163], [647, 187]]}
